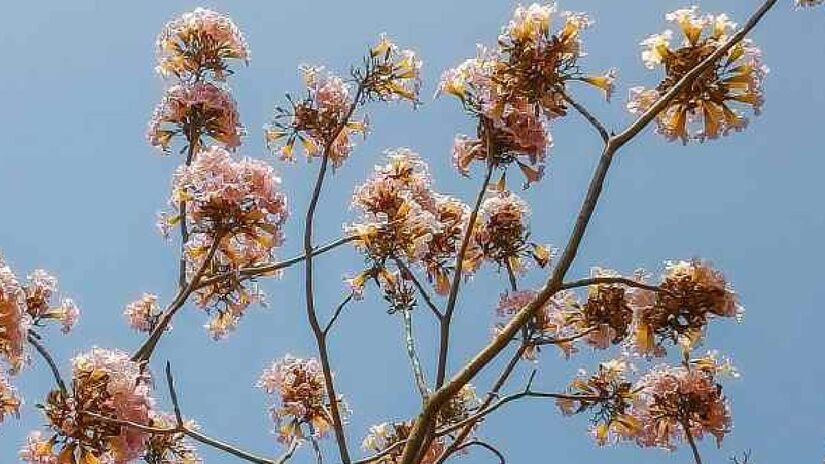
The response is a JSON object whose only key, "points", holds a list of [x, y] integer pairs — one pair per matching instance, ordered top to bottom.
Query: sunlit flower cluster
{"points": [[200, 42], [392, 73], [511, 89], [707, 108], [193, 111], [321, 122], [238, 203], [402, 217], [502, 233], [40, 289], [692, 293], [143, 314], [14, 319], [549, 324], [105, 383], [302, 395], [608, 395], [9, 399], [674, 401], [460, 406], [385, 439], [170, 448], [37, 449]]}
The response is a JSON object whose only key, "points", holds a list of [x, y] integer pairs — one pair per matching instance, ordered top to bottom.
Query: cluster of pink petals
{"points": [[206, 34], [200, 105], [40, 290], [141, 314], [14, 319], [549, 321], [299, 385], [128, 387], [672, 397], [9, 400], [37, 449]]}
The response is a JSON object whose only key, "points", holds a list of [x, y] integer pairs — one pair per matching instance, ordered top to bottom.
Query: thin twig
{"points": [[590, 117], [612, 280], [421, 290], [337, 313], [318, 332], [33, 340], [409, 342], [145, 351], [489, 352], [170, 382], [486, 446], [696, 456]]}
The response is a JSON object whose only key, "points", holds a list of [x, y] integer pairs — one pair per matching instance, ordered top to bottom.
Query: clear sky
{"points": [[81, 188]]}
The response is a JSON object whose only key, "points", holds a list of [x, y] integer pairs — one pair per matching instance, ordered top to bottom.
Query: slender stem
{"points": [[590, 117], [192, 137], [247, 273], [611, 280], [421, 290], [337, 313], [318, 332], [33, 340], [444, 341], [409, 342], [145, 351], [489, 352], [170, 382], [484, 445], [696, 456], [319, 457]]}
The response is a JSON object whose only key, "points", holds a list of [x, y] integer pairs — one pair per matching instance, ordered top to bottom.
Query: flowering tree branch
{"points": [[445, 392]]}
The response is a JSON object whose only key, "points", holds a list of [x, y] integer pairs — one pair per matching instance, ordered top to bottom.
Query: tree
{"points": [[418, 247]]}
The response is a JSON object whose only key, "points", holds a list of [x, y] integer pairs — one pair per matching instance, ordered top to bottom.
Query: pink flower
{"points": [[198, 42], [201, 109], [67, 313], [143, 314], [14, 320], [9, 399], [37, 449]]}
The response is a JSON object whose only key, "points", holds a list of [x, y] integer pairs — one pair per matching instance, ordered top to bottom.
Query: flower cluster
{"points": [[200, 42], [392, 73], [511, 88], [707, 108], [195, 110], [322, 121], [236, 211], [403, 217], [502, 233], [691, 293], [24, 306], [143, 314], [549, 324], [105, 383], [299, 384], [608, 394], [9, 399], [675, 401], [385, 439], [170, 448], [37, 449]]}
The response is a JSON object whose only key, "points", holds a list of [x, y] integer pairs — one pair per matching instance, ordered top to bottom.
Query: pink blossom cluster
{"points": [[198, 42], [393, 73], [193, 110], [322, 122], [239, 205], [403, 217], [143, 314], [14, 319], [301, 391], [9, 399]]}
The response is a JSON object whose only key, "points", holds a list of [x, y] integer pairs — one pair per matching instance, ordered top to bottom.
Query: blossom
{"points": [[199, 42], [394, 74], [708, 107], [192, 111], [321, 122], [240, 205], [502, 233], [39, 291], [692, 293], [607, 313], [143, 314], [14, 319], [549, 322], [106, 383], [608, 394], [9, 399], [303, 399], [674, 401], [460, 406], [382, 437], [170, 448], [37, 449]]}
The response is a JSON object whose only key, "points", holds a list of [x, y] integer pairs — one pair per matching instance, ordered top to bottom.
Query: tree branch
{"points": [[592, 119], [610, 281], [421, 290], [337, 313], [33, 339], [409, 342], [488, 353], [486, 446]]}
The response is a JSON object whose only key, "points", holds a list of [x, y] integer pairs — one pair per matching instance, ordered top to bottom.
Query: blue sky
{"points": [[81, 189]]}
